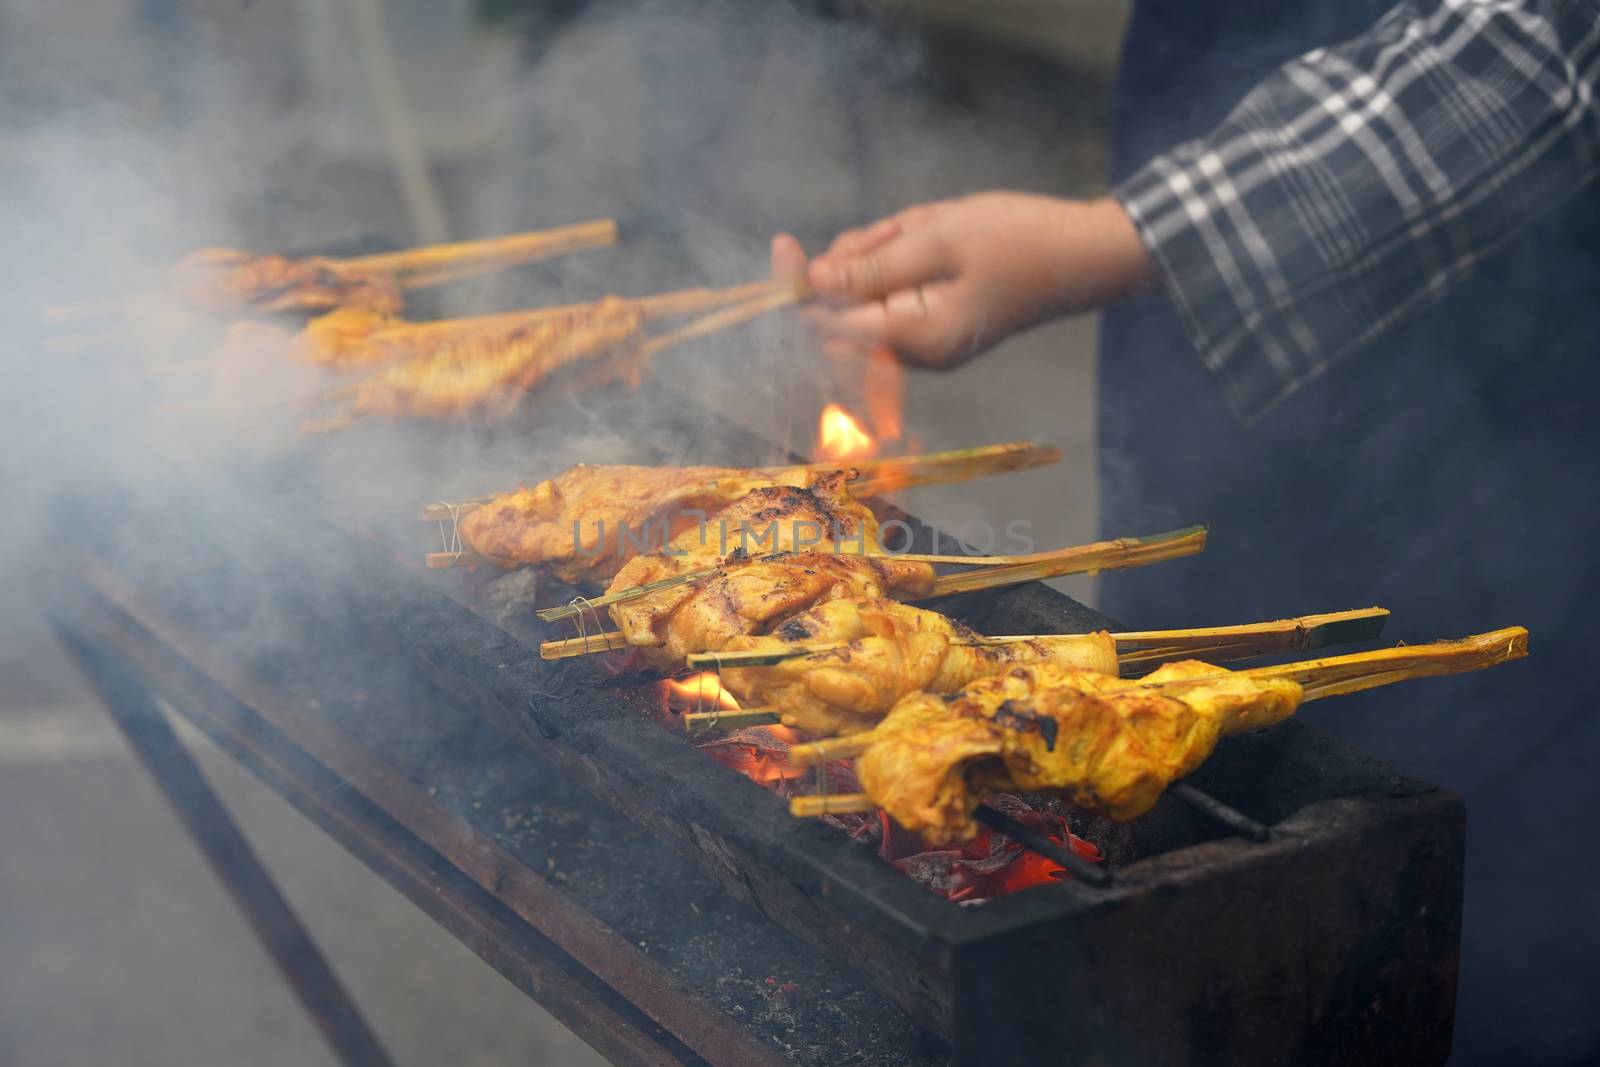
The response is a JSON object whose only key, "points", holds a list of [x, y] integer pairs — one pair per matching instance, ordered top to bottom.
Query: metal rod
{"points": [[1226, 814], [230, 857], [1081, 869]]}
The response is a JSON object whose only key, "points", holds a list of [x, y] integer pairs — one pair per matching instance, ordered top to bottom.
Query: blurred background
{"points": [[704, 127]]}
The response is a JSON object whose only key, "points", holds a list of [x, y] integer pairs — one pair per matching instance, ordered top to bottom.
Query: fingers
{"points": [[865, 239], [897, 253], [788, 259], [918, 323]]}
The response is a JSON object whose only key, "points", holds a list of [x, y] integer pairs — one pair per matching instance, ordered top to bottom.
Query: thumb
{"points": [[912, 258]]}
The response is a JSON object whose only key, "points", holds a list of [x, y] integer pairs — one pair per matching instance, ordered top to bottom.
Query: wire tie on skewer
{"points": [[452, 540], [582, 603], [716, 716]]}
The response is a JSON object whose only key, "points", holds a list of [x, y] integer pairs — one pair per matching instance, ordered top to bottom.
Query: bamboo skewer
{"points": [[481, 254], [417, 267], [658, 306], [720, 320], [940, 468], [875, 475], [1087, 559], [438, 561], [1002, 570], [567, 611], [588, 645], [1148, 646], [1332, 676], [701, 721], [815, 805]]}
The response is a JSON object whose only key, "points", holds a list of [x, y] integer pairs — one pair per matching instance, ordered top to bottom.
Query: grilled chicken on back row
{"points": [[233, 280], [491, 373], [585, 523], [889, 650], [1110, 745]]}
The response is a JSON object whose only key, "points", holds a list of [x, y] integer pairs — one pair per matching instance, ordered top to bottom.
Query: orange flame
{"points": [[884, 384], [840, 436], [701, 691]]}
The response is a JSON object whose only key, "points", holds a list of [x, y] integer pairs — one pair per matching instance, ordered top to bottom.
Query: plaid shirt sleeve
{"points": [[1360, 182]]}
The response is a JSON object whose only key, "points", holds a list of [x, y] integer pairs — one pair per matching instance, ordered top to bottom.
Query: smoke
{"points": [[702, 129]]}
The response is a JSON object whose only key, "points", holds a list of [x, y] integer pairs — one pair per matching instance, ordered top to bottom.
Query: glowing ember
{"points": [[840, 437], [760, 753], [988, 865]]}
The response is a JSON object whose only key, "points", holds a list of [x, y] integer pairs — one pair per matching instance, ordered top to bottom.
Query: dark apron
{"points": [[1446, 472]]}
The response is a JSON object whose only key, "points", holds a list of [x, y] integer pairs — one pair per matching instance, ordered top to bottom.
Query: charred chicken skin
{"points": [[231, 280], [491, 374], [769, 519], [585, 523], [778, 550], [751, 596], [888, 651], [1111, 746]]}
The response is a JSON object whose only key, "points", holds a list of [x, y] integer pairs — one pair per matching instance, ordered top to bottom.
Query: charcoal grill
{"points": [[1300, 903]]}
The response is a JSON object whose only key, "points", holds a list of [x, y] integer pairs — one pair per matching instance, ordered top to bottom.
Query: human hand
{"points": [[941, 282]]}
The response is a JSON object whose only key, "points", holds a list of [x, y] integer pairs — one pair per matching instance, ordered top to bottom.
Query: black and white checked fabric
{"points": [[1360, 182]]}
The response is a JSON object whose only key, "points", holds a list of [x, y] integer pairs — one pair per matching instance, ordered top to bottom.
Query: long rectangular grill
{"points": [[1294, 901]]}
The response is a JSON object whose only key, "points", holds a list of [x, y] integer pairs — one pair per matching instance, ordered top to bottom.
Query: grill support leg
{"points": [[230, 856]]}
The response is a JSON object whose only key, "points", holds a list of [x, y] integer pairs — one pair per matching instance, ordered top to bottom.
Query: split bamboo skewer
{"points": [[481, 254], [417, 267], [657, 306], [721, 320], [940, 468], [874, 475], [1119, 554], [991, 572], [567, 611], [1300, 634], [1219, 643], [590, 644], [1332, 676], [701, 721], [818, 804]]}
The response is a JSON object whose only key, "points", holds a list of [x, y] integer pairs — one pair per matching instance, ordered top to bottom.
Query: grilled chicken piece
{"points": [[232, 280], [342, 338], [492, 373], [767, 520], [586, 522], [817, 535], [751, 596], [889, 650], [1112, 746]]}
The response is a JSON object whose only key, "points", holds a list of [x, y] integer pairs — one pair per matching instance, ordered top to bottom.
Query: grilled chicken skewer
{"points": [[234, 281], [353, 337], [597, 345], [490, 374], [586, 522], [821, 546], [857, 658], [1111, 745]]}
